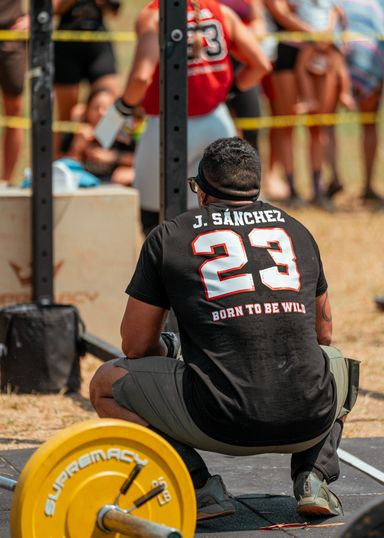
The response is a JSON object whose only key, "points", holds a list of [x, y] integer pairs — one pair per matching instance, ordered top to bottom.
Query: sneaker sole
{"points": [[316, 509], [211, 515]]}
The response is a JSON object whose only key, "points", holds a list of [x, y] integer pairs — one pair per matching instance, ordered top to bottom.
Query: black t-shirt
{"points": [[243, 283]]}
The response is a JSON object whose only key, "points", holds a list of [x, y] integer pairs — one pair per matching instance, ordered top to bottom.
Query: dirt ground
{"points": [[352, 246]]}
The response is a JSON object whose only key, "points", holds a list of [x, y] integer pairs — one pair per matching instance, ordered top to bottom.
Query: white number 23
{"points": [[283, 275]]}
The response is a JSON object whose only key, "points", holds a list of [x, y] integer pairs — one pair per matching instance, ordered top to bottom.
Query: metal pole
{"points": [[41, 70], [173, 108], [7, 483], [112, 519]]}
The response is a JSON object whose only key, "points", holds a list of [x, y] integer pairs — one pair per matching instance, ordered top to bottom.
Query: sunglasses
{"points": [[193, 185]]}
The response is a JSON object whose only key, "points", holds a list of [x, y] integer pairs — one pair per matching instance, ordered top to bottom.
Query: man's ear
{"points": [[203, 197]]}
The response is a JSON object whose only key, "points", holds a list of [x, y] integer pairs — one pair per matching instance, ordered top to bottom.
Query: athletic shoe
{"points": [[314, 499], [213, 500]]}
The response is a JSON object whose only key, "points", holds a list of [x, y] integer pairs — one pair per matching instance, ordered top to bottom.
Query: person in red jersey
{"points": [[214, 32]]}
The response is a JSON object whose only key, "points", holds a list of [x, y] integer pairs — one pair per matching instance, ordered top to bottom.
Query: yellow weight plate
{"points": [[79, 470]]}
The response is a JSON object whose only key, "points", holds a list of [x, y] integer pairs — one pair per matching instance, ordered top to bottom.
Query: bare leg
{"points": [[305, 81], [108, 82], [284, 85], [327, 90], [67, 96], [13, 138], [370, 141], [273, 185], [335, 185], [102, 398], [106, 406]]}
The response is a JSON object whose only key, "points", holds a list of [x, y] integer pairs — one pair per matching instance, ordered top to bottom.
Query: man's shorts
{"points": [[12, 67], [153, 389]]}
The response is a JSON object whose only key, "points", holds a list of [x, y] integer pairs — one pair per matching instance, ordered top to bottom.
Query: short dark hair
{"points": [[232, 166]]}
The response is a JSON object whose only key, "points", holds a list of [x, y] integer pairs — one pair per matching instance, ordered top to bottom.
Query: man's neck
{"points": [[213, 200]]}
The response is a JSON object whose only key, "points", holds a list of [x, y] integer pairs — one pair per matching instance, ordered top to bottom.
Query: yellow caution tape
{"points": [[124, 37], [307, 120], [244, 124]]}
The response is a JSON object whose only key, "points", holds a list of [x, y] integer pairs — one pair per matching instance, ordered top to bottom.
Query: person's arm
{"points": [[61, 6], [284, 15], [22, 23], [257, 23], [247, 50], [146, 57], [323, 319], [140, 329]]}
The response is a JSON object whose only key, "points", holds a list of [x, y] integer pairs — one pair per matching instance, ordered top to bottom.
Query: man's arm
{"points": [[247, 50], [323, 320], [140, 329]]}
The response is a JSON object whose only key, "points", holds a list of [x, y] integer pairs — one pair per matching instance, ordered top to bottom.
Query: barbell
{"points": [[88, 479]]}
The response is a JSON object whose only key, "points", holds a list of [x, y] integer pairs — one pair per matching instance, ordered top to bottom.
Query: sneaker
{"points": [[314, 499], [213, 500]]}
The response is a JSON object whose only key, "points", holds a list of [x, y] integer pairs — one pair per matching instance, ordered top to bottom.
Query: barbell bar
{"points": [[86, 480]]}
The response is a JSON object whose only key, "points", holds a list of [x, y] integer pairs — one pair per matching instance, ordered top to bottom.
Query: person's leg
{"points": [[338, 64], [12, 72], [108, 82], [284, 86], [327, 92], [66, 96], [309, 103], [370, 103], [246, 105], [13, 138], [335, 184], [116, 390], [101, 396], [106, 406], [322, 457], [314, 468]]}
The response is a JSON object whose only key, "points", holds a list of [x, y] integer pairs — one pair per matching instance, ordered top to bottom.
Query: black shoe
{"points": [[334, 188], [371, 196], [322, 202], [314, 499]]}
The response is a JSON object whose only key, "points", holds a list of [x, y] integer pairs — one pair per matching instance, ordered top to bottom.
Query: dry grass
{"points": [[352, 245]]}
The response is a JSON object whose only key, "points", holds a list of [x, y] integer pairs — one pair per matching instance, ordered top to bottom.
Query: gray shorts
{"points": [[153, 389]]}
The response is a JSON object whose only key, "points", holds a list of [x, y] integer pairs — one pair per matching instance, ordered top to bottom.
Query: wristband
{"points": [[123, 108]]}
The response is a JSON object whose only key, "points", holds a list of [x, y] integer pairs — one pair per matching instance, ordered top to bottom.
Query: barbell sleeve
{"points": [[7, 483], [113, 519]]}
